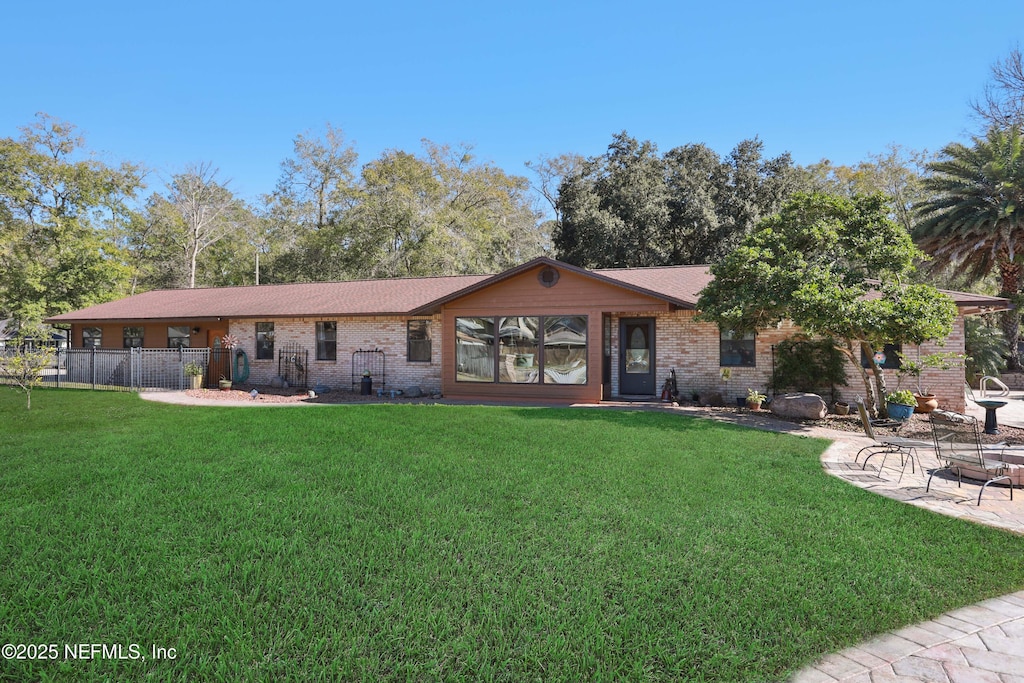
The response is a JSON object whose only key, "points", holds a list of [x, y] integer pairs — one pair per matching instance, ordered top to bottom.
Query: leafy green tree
{"points": [[898, 173], [696, 178], [57, 207], [632, 207], [615, 208], [442, 213], [973, 219], [304, 225], [815, 263], [984, 345], [23, 360]]}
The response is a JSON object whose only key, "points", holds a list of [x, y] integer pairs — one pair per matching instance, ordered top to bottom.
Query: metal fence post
{"points": [[92, 369]]}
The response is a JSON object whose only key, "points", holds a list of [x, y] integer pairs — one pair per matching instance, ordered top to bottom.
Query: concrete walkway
{"points": [[981, 643]]}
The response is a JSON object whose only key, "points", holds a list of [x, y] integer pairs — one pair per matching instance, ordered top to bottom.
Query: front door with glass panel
{"points": [[636, 353]]}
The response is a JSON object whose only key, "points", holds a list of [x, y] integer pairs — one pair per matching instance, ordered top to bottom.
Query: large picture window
{"points": [[417, 336], [92, 337], [133, 337], [178, 337], [327, 340], [264, 341], [474, 349], [565, 349], [737, 349], [524, 350], [519, 360]]}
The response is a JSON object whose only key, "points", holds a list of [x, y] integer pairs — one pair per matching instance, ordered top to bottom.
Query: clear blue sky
{"points": [[165, 84]]}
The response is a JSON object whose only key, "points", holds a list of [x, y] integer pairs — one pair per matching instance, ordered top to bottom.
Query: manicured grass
{"points": [[454, 543]]}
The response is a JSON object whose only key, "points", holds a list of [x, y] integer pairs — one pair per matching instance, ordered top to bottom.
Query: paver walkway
{"points": [[980, 643]]}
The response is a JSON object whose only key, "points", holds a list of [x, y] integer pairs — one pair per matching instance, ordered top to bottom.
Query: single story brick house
{"points": [[541, 331]]}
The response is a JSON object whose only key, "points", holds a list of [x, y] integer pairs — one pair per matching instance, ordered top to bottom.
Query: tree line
{"points": [[75, 231]]}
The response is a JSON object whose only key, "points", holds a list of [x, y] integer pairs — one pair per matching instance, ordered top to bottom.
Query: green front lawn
{"points": [[432, 542]]}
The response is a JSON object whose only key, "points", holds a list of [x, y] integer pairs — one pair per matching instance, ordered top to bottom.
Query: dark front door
{"points": [[636, 353]]}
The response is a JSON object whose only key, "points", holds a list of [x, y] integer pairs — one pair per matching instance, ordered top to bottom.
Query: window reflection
{"points": [[474, 349], [530, 349], [565, 349], [737, 349], [638, 353], [519, 361]]}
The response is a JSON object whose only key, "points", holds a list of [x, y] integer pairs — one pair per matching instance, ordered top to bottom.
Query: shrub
{"points": [[805, 364]]}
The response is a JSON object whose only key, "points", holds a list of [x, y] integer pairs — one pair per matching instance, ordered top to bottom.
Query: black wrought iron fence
{"points": [[371, 364], [293, 365]]}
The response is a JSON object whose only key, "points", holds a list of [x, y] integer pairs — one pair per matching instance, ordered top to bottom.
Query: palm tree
{"points": [[974, 220]]}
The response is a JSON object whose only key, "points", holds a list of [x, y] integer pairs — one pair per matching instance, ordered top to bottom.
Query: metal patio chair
{"points": [[888, 445], [958, 447]]}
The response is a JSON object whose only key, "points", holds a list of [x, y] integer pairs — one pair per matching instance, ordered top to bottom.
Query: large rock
{"points": [[413, 392], [803, 406]]}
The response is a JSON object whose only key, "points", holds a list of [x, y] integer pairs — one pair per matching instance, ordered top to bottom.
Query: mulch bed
{"points": [[917, 427]]}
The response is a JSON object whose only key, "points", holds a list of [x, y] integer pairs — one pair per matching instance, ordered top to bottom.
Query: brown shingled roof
{"points": [[683, 283], [679, 285], [358, 297]]}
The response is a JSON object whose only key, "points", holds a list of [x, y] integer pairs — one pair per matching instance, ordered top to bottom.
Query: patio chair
{"points": [[888, 445], [958, 448]]}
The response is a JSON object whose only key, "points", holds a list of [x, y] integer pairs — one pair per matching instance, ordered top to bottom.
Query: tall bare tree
{"points": [[1002, 104], [197, 212]]}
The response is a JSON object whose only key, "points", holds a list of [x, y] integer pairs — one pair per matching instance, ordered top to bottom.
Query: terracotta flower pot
{"points": [[926, 403], [842, 408]]}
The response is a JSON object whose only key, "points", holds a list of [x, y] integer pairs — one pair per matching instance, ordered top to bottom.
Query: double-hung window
{"points": [[417, 337], [327, 340], [264, 341]]}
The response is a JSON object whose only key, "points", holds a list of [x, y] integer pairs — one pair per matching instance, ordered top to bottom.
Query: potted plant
{"points": [[194, 371], [224, 383], [755, 399], [925, 400], [900, 404]]}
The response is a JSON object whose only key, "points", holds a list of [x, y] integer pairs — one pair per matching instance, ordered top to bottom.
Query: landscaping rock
{"points": [[278, 383], [322, 389], [413, 392], [801, 406]]}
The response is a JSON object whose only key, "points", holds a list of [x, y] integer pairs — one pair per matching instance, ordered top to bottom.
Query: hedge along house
{"points": [[542, 331]]}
